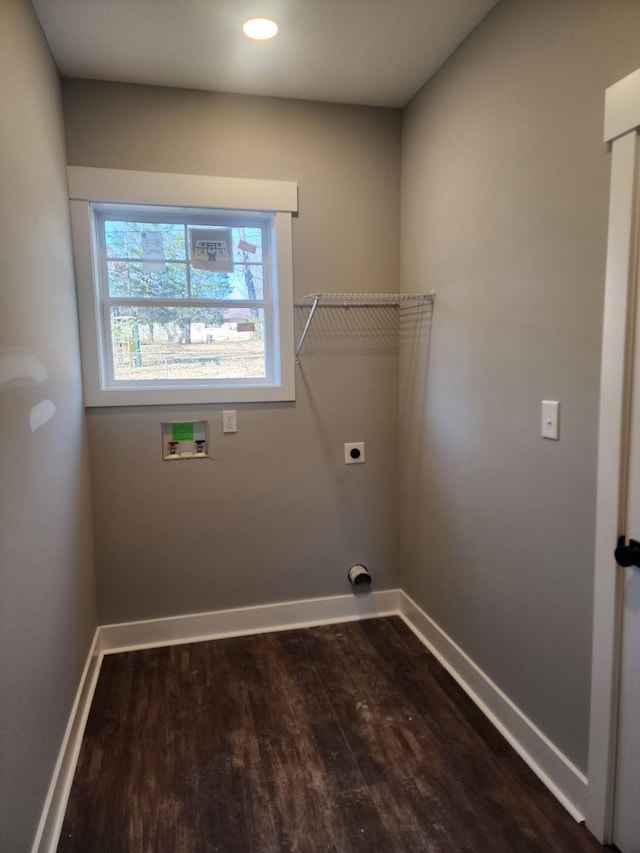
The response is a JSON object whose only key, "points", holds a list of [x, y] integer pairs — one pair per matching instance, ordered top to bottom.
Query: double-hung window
{"points": [[183, 302]]}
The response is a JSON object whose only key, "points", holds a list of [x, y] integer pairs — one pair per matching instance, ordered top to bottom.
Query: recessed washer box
{"points": [[184, 440]]}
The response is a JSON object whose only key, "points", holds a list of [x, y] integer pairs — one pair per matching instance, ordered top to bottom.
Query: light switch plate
{"points": [[551, 419]]}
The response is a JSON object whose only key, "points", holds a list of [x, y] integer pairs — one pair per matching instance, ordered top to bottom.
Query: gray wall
{"points": [[504, 201], [504, 213], [275, 515], [47, 604]]}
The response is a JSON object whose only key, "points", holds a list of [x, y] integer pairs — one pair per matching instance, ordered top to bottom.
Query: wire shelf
{"points": [[355, 300], [361, 300]]}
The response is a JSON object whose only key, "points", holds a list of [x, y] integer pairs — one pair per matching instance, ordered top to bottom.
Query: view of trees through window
{"points": [[176, 316]]}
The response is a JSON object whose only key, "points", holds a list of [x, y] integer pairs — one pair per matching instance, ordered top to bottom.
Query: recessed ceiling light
{"points": [[260, 29]]}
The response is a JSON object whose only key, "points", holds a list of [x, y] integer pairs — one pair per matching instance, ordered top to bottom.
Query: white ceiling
{"points": [[376, 52]]}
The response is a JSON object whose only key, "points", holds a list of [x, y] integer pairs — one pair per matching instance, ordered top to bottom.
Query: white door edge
{"points": [[622, 120]]}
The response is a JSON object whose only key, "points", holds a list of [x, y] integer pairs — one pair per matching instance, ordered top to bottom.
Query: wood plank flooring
{"points": [[336, 739]]}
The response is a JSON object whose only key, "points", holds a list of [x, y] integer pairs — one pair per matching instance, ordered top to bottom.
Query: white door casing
{"points": [[622, 121], [626, 814]]}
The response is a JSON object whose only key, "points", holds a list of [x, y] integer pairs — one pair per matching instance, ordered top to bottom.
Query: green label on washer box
{"points": [[182, 432]]}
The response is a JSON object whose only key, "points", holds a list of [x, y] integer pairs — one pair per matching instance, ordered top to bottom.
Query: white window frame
{"points": [[89, 188]]}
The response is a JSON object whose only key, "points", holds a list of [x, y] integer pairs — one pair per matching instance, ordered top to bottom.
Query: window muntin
{"points": [[167, 323]]}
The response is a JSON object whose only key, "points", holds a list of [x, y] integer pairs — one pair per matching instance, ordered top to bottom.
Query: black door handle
{"points": [[627, 555]]}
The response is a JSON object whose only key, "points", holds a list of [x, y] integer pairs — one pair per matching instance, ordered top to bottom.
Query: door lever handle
{"points": [[627, 555]]}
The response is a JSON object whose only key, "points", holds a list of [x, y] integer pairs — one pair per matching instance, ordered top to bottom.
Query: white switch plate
{"points": [[551, 419], [229, 422], [353, 452]]}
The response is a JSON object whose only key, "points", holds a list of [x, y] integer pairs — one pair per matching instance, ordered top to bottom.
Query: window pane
{"points": [[144, 240], [247, 245], [147, 279], [245, 282], [211, 285], [187, 344]]}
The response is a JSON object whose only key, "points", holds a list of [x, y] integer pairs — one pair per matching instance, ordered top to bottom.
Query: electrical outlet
{"points": [[229, 422], [353, 452]]}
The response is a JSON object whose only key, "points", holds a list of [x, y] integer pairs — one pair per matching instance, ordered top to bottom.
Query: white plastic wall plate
{"points": [[551, 419], [229, 421], [354, 452]]}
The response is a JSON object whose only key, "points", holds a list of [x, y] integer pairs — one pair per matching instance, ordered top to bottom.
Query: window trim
{"points": [[89, 186]]}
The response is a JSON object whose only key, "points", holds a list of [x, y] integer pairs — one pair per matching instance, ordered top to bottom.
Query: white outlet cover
{"points": [[229, 421], [354, 453]]}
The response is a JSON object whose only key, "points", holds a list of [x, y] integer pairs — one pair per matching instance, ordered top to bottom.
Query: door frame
{"points": [[622, 123]]}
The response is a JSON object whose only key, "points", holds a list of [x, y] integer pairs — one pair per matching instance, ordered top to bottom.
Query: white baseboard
{"points": [[195, 627], [563, 779], [48, 832]]}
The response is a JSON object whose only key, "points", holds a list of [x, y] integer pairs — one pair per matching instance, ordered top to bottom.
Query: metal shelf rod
{"points": [[364, 300], [307, 324]]}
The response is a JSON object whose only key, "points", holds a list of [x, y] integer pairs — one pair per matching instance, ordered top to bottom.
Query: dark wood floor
{"points": [[339, 738]]}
